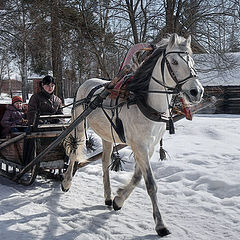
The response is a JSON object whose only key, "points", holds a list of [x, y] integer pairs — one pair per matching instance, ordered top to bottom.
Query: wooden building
{"points": [[220, 77], [11, 85], [228, 99]]}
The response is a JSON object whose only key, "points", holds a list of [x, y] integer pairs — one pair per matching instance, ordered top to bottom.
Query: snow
{"points": [[5, 98], [198, 193]]}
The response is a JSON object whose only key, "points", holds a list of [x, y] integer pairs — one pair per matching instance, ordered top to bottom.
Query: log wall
{"points": [[228, 99]]}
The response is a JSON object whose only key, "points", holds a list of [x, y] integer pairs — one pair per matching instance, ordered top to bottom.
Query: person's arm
{"points": [[32, 109], [59, 111], [18, 120], [6, 121]]}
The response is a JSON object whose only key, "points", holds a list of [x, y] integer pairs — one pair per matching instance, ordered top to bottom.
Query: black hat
{"points": [[47, 80]]}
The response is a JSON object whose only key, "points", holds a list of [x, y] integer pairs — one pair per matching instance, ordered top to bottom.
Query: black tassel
{"points": [[171, 126], [120, 130], [73, 142], [90, 144], [162, 152], [116, 164]]}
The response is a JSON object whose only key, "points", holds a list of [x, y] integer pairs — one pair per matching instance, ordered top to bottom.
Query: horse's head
{"points": [[180, 70]]}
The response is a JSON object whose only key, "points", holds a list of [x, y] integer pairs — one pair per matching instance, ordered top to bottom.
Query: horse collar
{"points": [[150, 112]]}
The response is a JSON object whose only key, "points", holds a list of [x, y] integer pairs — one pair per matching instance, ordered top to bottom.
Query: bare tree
{"points": [[15, 30], [56, 47]]}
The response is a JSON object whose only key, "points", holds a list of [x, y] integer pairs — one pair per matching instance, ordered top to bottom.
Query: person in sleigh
{"points": [[14, 117]]}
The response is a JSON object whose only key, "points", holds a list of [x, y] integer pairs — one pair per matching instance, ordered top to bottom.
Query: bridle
{"points": [[179, 83], [150, 112]]}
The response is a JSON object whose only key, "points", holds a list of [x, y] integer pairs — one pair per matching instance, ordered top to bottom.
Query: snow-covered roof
{"points": [[214, 70]]}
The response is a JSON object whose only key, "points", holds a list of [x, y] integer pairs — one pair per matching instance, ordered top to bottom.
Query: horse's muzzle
{"points": [[194, 92]]}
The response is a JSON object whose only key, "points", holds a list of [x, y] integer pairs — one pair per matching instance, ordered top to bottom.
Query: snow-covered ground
{"points": [[198, 192]]}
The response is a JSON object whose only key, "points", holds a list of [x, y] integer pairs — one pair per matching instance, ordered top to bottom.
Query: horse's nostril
{"points": [[194, 92]]}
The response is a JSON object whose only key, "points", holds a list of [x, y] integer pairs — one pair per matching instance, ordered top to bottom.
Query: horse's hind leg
{"points": [[75, 155], [106, 156], [67, 180], [123, 193]]}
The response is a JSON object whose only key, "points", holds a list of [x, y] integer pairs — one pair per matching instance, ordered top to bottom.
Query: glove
{"points": [[24, 121]]}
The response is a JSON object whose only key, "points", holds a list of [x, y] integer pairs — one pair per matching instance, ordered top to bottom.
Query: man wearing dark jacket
{"points": [[44, 102], [41, 103]]}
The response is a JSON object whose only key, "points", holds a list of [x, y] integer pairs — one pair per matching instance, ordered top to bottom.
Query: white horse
{"points": [[169, 69]]}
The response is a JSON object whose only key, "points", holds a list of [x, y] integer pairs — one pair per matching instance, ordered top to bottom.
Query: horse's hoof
{"points": [[61, 177], [64, 189], [108, 202], [115, 206], [163, 232]]}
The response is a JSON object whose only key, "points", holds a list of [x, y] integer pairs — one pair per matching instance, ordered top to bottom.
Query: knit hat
{"points": [[47, 80], [16, 99]]}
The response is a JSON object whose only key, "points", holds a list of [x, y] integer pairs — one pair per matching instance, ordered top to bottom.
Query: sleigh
{"points": [[19, 148]]}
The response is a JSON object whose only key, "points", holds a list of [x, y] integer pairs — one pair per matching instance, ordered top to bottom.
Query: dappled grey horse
{"points": [[169, 69]]}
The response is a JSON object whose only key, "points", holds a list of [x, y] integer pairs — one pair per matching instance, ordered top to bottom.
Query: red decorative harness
{"points": [[120, 88]]}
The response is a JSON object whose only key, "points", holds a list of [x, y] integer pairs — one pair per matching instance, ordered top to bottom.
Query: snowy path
{"points": [[198, 191]]}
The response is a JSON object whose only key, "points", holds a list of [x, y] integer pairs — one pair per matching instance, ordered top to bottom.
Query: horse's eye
{"points": [[174, 62]]}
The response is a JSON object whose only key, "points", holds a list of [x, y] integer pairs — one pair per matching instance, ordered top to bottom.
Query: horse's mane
{"points": [[141, 78], [140, 83]]}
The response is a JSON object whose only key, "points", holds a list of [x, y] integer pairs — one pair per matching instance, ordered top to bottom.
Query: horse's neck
{"points": [[158, 101]]}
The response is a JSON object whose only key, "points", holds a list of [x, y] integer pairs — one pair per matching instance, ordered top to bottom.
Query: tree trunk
{"points": [[169, 8], [131, 13], [56, 48], [24, 56], [24, 73]]}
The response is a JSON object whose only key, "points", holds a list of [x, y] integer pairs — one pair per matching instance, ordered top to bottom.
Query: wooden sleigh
{"points": [[21, 148], [18, 149]]}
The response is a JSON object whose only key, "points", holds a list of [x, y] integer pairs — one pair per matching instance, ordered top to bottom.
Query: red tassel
{"points": [[187, 110]]}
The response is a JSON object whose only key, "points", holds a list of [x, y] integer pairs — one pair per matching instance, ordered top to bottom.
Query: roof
{"points": [[215, 70]]}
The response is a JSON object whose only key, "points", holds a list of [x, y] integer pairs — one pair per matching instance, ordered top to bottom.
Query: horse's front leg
{"points": [[142, 156], [106, 157], [152, 192]]}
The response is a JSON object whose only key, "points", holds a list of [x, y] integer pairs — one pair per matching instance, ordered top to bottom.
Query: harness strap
{"points": [[174, 91], [87, 99], [150, 112], [120, 133]]}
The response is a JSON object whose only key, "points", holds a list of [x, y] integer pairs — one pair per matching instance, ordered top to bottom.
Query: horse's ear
{"points": [[173, 40], [188, 41]]}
